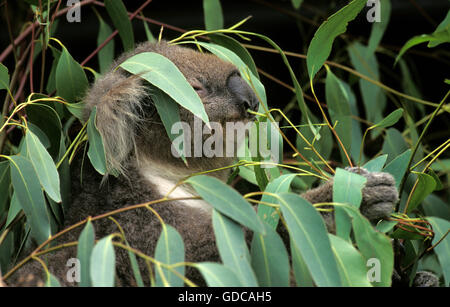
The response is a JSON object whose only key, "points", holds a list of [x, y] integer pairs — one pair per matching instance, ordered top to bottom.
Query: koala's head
{"points": [[127, 118]]}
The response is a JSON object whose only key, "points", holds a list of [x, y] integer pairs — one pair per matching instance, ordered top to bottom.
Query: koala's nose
{"points": [[242, 92]]}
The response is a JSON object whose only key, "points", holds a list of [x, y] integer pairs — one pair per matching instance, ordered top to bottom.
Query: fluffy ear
{"points": [[119, 100]]}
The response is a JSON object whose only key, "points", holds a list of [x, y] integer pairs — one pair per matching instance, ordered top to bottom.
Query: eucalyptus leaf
{"points": [[118, 13], [213, 14], [320, 47], [162, 73], [4, 77], [71, 81], [96, 152], [44, 166], [31, 198], [226, 200], [269, 214], [308, 232], [233, 249], [170, 250], [442, 250], [84, 251], [269, 259], [103, 263], [351, 264], [218, 275]]}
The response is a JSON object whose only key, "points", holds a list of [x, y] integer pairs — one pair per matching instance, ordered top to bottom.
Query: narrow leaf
{"points": [[212, 11], [118, 13], [320, 47], [162, 73], [71, 81], [96, 152], [375, 165], [44, 166], [397, 167], [426, 184], [31, 198], [226, 200], [269, 214], [307, 230], [233, 248], [170, 250], [442, 250], [84, 251], [270, 259], [351, 264], [102, 267], [218, 275]]}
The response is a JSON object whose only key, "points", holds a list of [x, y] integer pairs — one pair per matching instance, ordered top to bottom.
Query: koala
{"points": [[138, 148]]}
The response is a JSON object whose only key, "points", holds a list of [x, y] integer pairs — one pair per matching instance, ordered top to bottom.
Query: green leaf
{"points": [[296, 3], [213, 15], [119, 16], [379, 28], [443, 31], [148, 33], [234, 46], [320, 47], [106, 55], [162, 73], [4, 77], [71, 81], [374, 98], [76, 109], [339, 109], [169, 113], [47, 119], [389, 120], [394, 144], [96, 152], [376, 165], [44, 166], [397, 167], [5, 182], [425, 186], [347, 188], [29, 193], [226, 200], [435, 206], [14, 209], [269, 214], [308, 232], [372, 244], [233, 249], [170, 250], [442, 250], [84, 251], [270, 259], [103, 263], [351, 264], [218, 275], [302, 275], [52, 281]]}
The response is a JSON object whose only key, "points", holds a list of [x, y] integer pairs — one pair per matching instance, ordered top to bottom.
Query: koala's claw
{"points": [[379, 194]]}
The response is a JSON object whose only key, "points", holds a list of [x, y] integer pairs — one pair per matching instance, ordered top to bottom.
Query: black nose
{"points": [[242, 92]]}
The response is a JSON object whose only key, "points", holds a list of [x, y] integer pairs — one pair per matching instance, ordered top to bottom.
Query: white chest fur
{"points": [[165, 186]]}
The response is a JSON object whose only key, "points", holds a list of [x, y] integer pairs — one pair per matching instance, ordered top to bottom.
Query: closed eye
{"points": [[199, 88]]}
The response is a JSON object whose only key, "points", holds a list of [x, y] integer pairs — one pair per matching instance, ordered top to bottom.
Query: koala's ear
{"points": [[118, 99]]}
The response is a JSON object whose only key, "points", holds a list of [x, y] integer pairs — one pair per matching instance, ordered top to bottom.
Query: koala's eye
{"points": [[199, 88]]}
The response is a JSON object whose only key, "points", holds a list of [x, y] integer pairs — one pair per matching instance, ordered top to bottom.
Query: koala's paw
{"points": [[379, 194], [425, 279]]}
